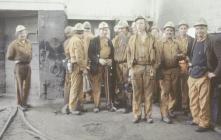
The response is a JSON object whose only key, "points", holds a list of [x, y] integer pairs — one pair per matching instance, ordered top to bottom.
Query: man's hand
{"points": [[102, 61], [109, 62], [69, 66], [183, 66], [85, 71], [211, 75]]}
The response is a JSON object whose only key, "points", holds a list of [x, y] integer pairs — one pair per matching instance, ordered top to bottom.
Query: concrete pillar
{"points": [[51, 26]]}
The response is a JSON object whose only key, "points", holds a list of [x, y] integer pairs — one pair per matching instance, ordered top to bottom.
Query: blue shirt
{"points": [[199, 60]]}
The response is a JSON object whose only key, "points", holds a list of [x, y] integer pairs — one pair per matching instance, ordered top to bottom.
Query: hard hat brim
{"points": [[140, 17], [183, 24], [200, 25], [103, 27], [169, 27]]}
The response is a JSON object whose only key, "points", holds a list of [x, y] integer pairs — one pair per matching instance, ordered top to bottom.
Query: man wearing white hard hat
{"points": [[68, 32], [88, 35], [185, 42], [20, 51], [142, 60], [77, 67], [102, 67], [169, 70], [200, 77], [123, 96]]}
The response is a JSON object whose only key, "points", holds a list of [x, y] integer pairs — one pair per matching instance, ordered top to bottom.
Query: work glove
{"points": [[102, 61], [109, 62], [69, 66], [183, 66], [85, 71], [211, 75]]}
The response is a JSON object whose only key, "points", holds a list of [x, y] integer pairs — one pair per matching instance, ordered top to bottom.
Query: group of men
{"points": [[130, 68]]}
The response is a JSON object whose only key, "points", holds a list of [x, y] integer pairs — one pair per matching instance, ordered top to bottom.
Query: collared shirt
{"points": [[120, 43], [183, 43], [104, 48], [143, 49], [170, 49], [20, 51], [77, 52], [143, 52]]}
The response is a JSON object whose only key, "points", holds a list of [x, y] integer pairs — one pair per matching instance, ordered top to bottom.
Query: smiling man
{"points": [[185, 42], [20, 51], [142, 59], [102, 67], [169, 72], [199, 80]]}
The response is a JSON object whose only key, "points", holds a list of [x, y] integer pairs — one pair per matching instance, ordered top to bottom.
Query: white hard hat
{"points": [[183, 22], [200, 22], [123, 24], [169, 24], [87, 25], [103, 25], [79, 27], [20, 28], [68, 30]]}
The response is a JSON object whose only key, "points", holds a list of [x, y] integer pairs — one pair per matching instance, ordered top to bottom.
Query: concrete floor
{"points": [[102, 126]]}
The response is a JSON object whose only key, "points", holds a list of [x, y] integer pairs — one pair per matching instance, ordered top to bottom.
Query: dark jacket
{"points": [[190, 44], [208, 45], [94, 54], [214, 56]]}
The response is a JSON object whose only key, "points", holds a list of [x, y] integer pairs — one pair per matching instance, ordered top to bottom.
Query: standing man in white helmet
{"points": [[68, 32], [88, 36], [185, 42], [20, 51], [143, 60], [79, 67], [102, 67], [169, 70], [200, 77], [123, 96]]}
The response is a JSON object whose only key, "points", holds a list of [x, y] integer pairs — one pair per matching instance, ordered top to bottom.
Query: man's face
{"points": [[141, 25], [123, 30], [183, 30], [201, 31], [104, 32], [155, 32], [169, 32], [80, 34], [22, 35]]}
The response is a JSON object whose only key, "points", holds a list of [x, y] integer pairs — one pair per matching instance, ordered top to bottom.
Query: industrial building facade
{"points": [[46, 20]]}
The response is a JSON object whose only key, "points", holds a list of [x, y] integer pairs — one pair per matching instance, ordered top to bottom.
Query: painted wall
{"points": [[51, 26]]}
